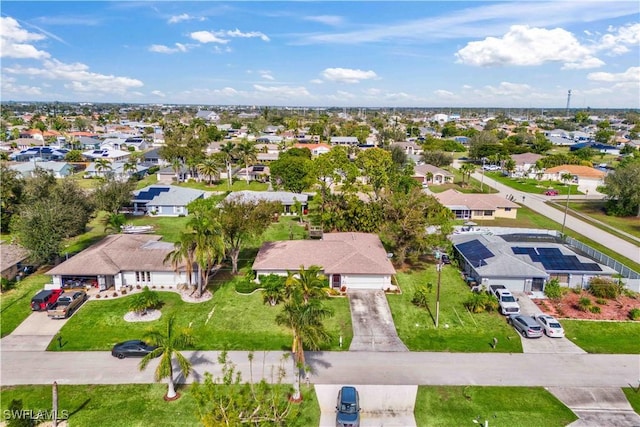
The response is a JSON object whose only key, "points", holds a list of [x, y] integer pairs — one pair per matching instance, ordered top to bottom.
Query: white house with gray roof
{"points": [[58, 169], [287, 198], [165, 200], [348, 260]]}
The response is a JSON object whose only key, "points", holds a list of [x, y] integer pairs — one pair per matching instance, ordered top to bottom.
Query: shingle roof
{"points": [[426, 168], [583, 171], [284, 197], [451, 198], [116, 253], [336, 253], [11, 254]]}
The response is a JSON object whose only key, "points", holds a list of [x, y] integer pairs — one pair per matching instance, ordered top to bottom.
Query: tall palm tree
{"points": [[228, 151], [247, 153], [103, 165], [130, 166], [210, 167], [467, 169], [113, 222], [208, 246], [183, 252], [306, 284], [168, 341]]}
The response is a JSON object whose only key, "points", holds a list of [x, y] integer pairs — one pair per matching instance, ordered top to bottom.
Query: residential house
{"points": [[210, 116], [269, 139], [344, 140], [87, 143], [410, 148], [316, 149], [40, 153], [111, 155], [152, 158], [524, 162], [58, 169], [118, 170], [259, 173], [428, 174], [587, 178], [286, 198], [165, 200], [477, 206], [348, 260], [12, 261], [123, 261], [521, 264]]}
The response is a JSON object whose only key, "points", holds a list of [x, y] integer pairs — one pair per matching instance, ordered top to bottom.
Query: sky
{"points": [[520, 54]]}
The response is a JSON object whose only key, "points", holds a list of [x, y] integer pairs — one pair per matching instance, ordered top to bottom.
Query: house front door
{"points": [[335, 281]]}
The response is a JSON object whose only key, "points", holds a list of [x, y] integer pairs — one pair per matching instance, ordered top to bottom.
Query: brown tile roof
{"points": [[529, 158], [425, 168], [578, 170], [474, 201], [116, 253], [336, 253], [11, 254]]}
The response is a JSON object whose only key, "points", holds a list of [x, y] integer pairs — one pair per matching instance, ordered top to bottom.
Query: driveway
{"points": [[373, 328], [34, 334], [543, 344], [381, 405], [597, 406]]}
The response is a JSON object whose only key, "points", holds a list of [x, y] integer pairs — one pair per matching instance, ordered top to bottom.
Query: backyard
{"points": [[534, 186]]}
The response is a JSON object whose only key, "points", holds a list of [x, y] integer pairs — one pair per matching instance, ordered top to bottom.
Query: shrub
{"points": [[7, 284], [246, 286], [138, 287], [601, 287], [273, 289], [552, 289], [577, 291], [124, 292], [98, 296], [420, 297], [144, 301], [601, 301], [481, 302], [584, 304], [595, 309], [634, 314]]}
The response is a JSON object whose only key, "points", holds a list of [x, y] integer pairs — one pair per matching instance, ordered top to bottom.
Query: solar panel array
{"points": [[151, 193], [475, 252], [553, 259]]}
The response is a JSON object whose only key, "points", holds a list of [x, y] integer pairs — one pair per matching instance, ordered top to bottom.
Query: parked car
{"points": [[551, 193], [446, 259], [44, 299], [67, 303], [526, 325], [552, 328], [132, 348], [348, 407]]}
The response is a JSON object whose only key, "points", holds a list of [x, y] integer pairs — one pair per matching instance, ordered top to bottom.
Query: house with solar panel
{"points": [[165, 200], [524, 263]]}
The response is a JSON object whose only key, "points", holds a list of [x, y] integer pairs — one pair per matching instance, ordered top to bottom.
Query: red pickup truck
{"points": [[45, 299]]}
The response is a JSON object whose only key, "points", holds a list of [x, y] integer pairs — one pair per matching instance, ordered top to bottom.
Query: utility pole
{"points": [[439, 268]]}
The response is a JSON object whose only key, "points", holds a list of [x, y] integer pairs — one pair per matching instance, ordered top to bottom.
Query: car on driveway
{"points": [[551, 193], [44, 299], [526, 325], [552, 328], [132, 348], [348, 407]]}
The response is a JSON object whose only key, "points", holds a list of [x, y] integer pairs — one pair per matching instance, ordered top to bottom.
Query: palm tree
{"points": [[228, 151], [248, 154], [103, 165], [176, 165], [130, 166], [210, 167], [467, 169], [429, 176], [567, 178], [113, 222], [208, 249], [183, 251], [306, 284], [168, 342]]}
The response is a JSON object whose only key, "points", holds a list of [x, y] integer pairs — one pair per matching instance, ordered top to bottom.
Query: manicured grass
{"points": [[237, 185], [530, 185], [472, 186], [595, 210], [169, 227], [95, 232], [15, 305], [228, 321], [466, 332], [604, 337], [633, 396], [131, 405], [500, 406]]}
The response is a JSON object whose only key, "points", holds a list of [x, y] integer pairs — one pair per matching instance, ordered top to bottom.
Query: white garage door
{"points": [[365, 282]]}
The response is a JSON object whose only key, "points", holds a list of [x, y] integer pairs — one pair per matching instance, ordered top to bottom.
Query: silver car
{"points": [[526, 325], [552, 328]]}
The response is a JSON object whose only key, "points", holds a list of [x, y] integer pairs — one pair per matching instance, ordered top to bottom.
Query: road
{"points": [[537, 203], [367, 368]]}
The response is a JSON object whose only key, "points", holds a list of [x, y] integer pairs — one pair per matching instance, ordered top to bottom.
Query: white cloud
{"points": [[183, 17], [332, 20], [251, 34], [207, 37], [14, 38], [618, 40], [526, 46], [160, 48], [266, 75], [347, 75], [631, 75], [316, 81], [9, 87], [509, 89], [290, 92], [158, 93], [441, 93]]}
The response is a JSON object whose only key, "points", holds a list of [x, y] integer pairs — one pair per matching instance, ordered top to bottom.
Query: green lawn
{"points": [[237, 185], [530, 185], [472, 186], [595, 210], [15, 305], [228, 321], [466, 332], [604, 337], [633, 396], [130, 405], [500, 406]]}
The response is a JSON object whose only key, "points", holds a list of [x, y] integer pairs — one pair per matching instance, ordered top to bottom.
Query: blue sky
{"points": [[524, 54]]}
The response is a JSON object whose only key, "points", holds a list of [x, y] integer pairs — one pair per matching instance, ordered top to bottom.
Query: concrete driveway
{"points": [[373, 328], [34, 334], [543, 344], [382, 405], [597, 406]]}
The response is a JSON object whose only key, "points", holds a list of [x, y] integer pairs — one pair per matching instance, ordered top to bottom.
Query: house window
{"points": [[179, 209], [507, 209], [488, 213], [143, 276]]}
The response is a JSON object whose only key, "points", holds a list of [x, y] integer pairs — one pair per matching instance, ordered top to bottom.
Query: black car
{"points": [[446, 259], [133, 348], [348, 407]]}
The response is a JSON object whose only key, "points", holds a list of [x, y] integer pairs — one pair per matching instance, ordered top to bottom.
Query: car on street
{"points": [[551, 193], [526, 325], [552, 328], [132, 348], [348, 407]]}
